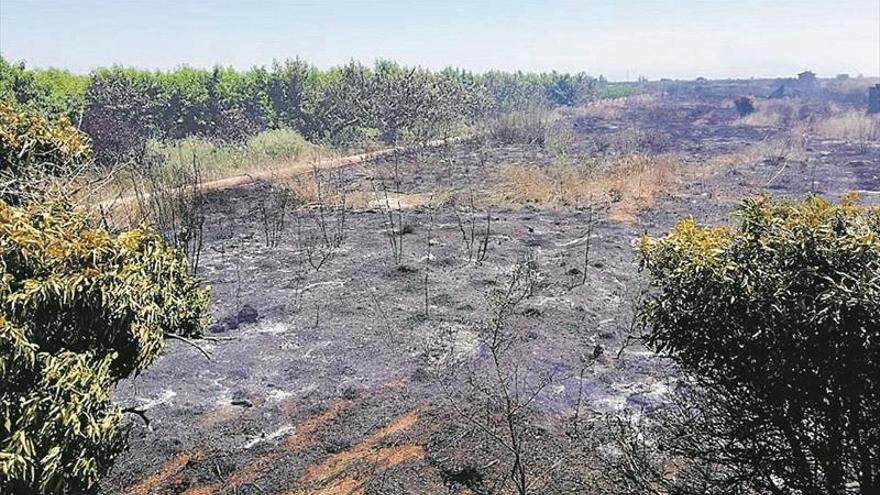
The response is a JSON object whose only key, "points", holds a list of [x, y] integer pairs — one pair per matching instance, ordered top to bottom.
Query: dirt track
{"points": [[327, 163], [337, 386]]}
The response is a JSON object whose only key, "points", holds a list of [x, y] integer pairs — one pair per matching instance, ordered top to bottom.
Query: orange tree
{"points": [[778, 323]]}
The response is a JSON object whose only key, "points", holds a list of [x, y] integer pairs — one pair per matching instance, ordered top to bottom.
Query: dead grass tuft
{"points": [[614, 108], [785, 112], [855, 126], [635, 182], [628, 183]]}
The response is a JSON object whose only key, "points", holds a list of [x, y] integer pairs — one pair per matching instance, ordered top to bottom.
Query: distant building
{"points": [[807, 77], [807, 84]]}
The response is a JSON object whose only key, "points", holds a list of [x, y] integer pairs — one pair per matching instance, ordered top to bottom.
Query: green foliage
{"points": [[604, 90], [52, 91], [744, 106], [124, 108], [123, 111], [34, 148], [218, 158], [79, 311], [780, 321]]}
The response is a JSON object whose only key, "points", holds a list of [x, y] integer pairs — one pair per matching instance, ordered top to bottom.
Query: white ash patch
{"points": [[449, 343]]}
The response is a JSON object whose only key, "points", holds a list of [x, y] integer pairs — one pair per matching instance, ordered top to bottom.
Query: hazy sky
{"points": [[617, 38]]}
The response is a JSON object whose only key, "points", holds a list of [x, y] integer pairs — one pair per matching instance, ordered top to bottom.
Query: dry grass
{"points": [[613, 108], [785, 112], [770, 113], [855, 126], [723, 162], [635, 182], [629, 184], [307, 190], [300, 438]]}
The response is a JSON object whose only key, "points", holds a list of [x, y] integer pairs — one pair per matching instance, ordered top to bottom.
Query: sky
{"points": [[621, 39]]}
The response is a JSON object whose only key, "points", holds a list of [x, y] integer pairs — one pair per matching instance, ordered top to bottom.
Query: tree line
{"points": [[122, 108]]}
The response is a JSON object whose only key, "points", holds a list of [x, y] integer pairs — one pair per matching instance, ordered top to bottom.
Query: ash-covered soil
{"points": [[353, 378]]}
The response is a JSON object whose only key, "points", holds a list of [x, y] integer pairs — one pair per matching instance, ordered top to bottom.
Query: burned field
{"points": [[362, 348]]}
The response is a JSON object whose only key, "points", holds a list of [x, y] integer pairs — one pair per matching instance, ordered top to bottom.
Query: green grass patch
{"points": [[219, 159]]}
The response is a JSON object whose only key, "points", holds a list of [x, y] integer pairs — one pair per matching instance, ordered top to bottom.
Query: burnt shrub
{"points": [[744, 106], [80, 310], [778, 320]]}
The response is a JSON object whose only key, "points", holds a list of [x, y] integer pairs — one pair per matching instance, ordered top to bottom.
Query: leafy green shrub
{"points": [[33, 149], [216, 158], [80, 310], [779, 320]]}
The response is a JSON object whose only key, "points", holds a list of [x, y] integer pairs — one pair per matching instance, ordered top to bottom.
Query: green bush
{"points": [[34, 149], [216, 158], [80, 310], [779, 321]]}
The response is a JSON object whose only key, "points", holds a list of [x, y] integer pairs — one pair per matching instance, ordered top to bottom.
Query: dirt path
{"points": [[297, 169]]}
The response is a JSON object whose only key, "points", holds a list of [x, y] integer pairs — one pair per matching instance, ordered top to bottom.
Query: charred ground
{"points": [[355, 378]]}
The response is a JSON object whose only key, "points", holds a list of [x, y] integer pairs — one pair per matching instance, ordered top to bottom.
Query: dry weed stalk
{"points": [[854, 126], [174, 203], [321, 222], [476, 244], [500, 393]]}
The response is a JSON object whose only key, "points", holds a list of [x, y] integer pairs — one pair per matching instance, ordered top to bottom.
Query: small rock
{"points": [[247, 314], [242, 403], [337, 444]]}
